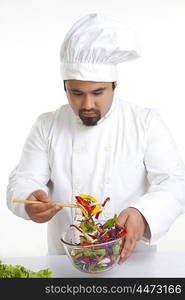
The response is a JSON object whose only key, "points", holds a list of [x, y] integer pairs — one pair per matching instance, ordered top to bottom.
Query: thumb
{"points": [[41, 195], [121, 219]]}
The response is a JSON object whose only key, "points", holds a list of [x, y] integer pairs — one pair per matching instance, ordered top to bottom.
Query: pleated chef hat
{"points": [[94, 46]]}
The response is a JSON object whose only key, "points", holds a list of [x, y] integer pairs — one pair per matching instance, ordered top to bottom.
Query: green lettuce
{"points": [[110, 222], [88, 227], [94, 252], [18, 271]]}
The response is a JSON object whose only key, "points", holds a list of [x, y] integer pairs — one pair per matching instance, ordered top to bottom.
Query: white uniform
{"points": [[129, 156]]}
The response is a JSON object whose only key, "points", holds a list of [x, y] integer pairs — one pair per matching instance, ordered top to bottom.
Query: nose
{"points": [[88, 102]]}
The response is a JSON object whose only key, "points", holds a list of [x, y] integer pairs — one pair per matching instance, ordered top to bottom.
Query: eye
{"points": [[97, 93], [77, 94]]}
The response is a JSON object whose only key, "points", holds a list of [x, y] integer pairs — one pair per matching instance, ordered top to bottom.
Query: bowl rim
{"points": [[88, 246]]}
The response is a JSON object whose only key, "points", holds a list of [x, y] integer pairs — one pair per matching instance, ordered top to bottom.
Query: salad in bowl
{"points": [[91, 245]]}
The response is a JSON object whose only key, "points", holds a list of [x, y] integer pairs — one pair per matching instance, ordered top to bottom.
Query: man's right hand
{"points": [[41, 212]]}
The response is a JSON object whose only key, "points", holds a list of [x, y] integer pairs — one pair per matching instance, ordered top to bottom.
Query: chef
{"points": [[101, 145]]}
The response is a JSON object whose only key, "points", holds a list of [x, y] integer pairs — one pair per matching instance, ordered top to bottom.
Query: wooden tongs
{"points": [[38, 202]]}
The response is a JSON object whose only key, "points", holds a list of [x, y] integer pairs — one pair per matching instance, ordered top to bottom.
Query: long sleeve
{"points": [[33, 170], [165, 198]]}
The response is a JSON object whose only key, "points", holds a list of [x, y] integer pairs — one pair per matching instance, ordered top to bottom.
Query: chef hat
{"points": [[94, 46]]}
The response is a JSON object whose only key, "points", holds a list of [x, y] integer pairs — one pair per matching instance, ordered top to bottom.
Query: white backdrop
{"points": [[31, 33]]}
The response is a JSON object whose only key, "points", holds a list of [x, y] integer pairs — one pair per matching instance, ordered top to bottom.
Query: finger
{"points": [[41, 195], [40, 208], [48, 214], [122, 218], [128, 247]]}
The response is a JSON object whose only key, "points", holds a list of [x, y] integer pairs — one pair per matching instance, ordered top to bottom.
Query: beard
{"points": [[90, 121]]}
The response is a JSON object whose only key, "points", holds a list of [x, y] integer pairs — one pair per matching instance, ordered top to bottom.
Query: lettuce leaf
{"points": [[110, 222], [88, 227], [94, 252], [18, 271]]}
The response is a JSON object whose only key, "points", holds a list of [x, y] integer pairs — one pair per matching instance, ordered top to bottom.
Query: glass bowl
{"points": [[96, 258]]}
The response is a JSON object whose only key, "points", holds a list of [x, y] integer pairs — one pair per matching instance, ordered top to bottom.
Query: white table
{"points": [[138, 265]]}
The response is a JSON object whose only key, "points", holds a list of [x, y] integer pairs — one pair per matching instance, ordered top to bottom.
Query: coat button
{"points": [[107, 147], [79, 149], [107, 180], [76, 184], [108, 214]]}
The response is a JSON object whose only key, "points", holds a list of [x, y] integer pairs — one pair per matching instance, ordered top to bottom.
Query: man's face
{"points": [[89, 100]]}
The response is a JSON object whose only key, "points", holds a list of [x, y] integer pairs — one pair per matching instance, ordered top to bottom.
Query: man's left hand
{"points": [[135, 224]]}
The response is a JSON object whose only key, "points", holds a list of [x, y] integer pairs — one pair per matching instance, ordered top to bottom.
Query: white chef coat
{"points": [[129, 156]]}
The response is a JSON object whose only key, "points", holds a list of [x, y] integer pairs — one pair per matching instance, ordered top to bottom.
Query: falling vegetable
{"points": [[89, 206], [91, 231]]}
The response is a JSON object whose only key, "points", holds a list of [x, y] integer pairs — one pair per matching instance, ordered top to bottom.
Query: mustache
{"points": [[93, 110], [89, 121]]}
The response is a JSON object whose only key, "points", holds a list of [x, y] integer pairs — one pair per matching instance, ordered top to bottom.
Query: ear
{"points": [[64, 82], [114, 84]]}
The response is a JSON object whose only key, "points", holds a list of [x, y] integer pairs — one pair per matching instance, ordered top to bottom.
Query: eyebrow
{"points": [[97, 90]]}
